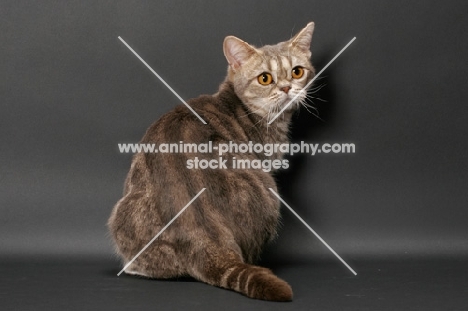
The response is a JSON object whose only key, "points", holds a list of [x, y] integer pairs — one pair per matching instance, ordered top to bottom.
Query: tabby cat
{"points": [[221, 234]]}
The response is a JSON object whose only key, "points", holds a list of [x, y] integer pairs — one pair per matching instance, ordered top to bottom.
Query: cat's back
{"points": [[224, 115]]}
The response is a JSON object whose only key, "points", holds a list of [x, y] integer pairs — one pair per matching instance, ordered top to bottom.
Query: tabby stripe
{"points": [[286, 66], [233, 276], [224, 278], [242, 278], [248, 281]]}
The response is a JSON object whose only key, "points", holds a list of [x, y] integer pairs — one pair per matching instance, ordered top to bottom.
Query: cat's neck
{"points": [[276, 132]]}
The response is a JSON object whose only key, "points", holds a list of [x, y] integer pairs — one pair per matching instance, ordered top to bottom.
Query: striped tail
{"points": [[256, 282]]}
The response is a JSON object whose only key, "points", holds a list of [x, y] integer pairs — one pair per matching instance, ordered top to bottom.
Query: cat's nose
{"points": [[286, 89]]}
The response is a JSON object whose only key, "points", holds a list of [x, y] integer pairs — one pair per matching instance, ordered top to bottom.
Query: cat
{"points": [[218, 238]]}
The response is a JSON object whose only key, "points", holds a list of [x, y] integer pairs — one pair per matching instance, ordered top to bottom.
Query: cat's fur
{"points": [[221, 234]]}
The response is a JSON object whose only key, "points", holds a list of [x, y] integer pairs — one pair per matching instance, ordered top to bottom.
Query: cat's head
{"points": [[268, 78]]}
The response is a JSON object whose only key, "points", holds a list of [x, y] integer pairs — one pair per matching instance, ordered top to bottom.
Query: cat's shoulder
{"points": [[180, 121]]}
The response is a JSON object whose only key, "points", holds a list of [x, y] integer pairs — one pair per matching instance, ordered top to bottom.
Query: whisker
{"points": [[317, 88], [312, 98], [318, 98], [306, 106]]}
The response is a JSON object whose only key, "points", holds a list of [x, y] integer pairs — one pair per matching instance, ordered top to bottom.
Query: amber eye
{"points": [[297, 72], [265, 78]]}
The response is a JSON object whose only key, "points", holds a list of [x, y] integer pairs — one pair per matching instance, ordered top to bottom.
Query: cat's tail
{"points": [[227, 269], [256, 282]]}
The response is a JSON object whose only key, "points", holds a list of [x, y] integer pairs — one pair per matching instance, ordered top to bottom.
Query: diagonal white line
{"points": [[162, 80], [311, 81], [312, 230], [160, 232]]}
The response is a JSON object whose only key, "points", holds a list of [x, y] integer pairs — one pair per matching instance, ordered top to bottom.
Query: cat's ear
{"points": [[303, 39], [237, 52]]}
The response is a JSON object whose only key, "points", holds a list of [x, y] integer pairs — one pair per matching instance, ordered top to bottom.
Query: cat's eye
{"points": [[297, 72], [265, 78]]}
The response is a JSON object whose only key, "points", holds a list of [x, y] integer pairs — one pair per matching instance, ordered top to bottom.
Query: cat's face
{"points": [[268, 78]]}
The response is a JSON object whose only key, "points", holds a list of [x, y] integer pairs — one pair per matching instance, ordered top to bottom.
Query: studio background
{"points": [[71, 91]]}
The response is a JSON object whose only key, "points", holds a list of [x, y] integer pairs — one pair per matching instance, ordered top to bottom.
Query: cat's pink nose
{"points": [[286, 89]]}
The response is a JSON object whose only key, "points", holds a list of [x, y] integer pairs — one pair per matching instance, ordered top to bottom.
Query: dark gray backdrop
{"points": [[70, 91]]}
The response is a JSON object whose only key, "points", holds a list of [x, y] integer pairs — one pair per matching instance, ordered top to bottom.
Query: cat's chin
{"points": [[291, 106]]}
